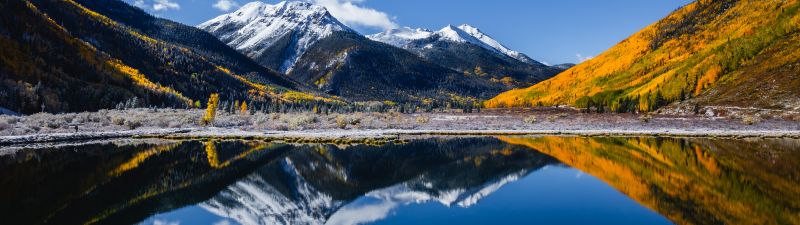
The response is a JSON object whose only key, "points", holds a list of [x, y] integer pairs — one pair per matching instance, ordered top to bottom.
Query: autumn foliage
{"points": [[704, 50], [211, 109], [723, 179]]}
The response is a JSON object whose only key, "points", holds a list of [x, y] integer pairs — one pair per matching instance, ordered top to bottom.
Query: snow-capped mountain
{"points": [[465, 33], [274, 35], [400, 37], [304, 41], [468, 50]]}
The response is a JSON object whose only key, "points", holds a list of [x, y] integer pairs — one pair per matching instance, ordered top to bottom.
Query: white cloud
{"points": [[165, 5], [226, 5], [352, 14], [582, 58]]}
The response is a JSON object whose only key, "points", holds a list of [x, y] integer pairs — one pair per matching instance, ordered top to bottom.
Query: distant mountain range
{"points": [[314, 48], [468, 50], [728, 53]]}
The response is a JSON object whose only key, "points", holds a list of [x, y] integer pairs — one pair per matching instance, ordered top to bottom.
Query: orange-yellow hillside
{"points": [[704, 50]]}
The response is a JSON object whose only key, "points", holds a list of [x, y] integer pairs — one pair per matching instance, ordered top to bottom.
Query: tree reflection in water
{"points": [[689, 181]]}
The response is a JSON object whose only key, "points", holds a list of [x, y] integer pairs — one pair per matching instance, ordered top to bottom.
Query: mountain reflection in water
{"points": [[687, 181]]}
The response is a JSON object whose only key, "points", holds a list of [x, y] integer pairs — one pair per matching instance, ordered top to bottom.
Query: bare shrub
{"points": [[789, 117], [646, 118], [260, 119], [423, 119], [530, 119], [750, 119], [11, 120], [118, 120], [190, 120], [302, 120], [354, 120], [161, 122], [342, 122], [53, 124], [133, 124], [174, 124], [4, 125], [282, 127]]}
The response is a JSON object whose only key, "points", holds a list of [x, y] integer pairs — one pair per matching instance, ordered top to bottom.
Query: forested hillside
{"points": [[721, 53], [60, 56], [349, 65]]}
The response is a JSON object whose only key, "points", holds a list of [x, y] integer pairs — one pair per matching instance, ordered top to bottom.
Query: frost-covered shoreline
{"points": [[173, 123]]}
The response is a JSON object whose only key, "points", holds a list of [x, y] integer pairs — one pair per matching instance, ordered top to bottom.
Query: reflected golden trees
{"points": [[213, 155], [140, 157], [691, 181]]}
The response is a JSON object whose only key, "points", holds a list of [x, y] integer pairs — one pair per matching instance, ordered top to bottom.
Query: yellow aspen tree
{"points": [[211, 109], [243, 110]]}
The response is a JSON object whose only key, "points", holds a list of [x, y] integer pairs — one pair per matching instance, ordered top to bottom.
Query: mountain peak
{"points": [[257, 25], [468, 28], [464, 33]]}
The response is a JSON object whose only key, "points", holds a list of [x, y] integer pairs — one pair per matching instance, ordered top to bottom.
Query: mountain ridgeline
{"points": [[314, 48], [469, 51], [730, 53], [85, 55], [67, 56]]}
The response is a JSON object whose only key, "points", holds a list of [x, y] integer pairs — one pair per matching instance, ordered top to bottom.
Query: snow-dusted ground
{"points": [[183, 123]]}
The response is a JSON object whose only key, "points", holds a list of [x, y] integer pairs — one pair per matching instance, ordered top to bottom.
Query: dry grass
{"points": [[646, 118], [423, 119], [530, 119], [539, 119], [750, 120]]}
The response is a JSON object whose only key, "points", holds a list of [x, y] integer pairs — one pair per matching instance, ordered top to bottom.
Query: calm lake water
{"points": [[477, 180]]}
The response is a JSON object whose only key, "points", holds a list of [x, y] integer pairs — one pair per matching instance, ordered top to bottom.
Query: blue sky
{"points": [[554, 31]]}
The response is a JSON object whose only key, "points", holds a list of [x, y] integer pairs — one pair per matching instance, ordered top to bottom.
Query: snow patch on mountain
{"points": [[256, 26], [462, 34], [401, 36], [486, 39]]}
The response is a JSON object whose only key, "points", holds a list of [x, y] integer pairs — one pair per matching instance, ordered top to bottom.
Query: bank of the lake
{"points": [[381, 127]]}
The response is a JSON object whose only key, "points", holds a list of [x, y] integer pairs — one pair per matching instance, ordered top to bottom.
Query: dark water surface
{"points": [[480, 180]]}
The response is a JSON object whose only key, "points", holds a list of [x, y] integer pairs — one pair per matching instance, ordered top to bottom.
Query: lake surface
{"points": [[475, 180]]}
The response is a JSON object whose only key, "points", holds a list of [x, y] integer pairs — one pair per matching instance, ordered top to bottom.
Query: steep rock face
{"points": [[274, 35], [468, 50], [709, 53]]}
